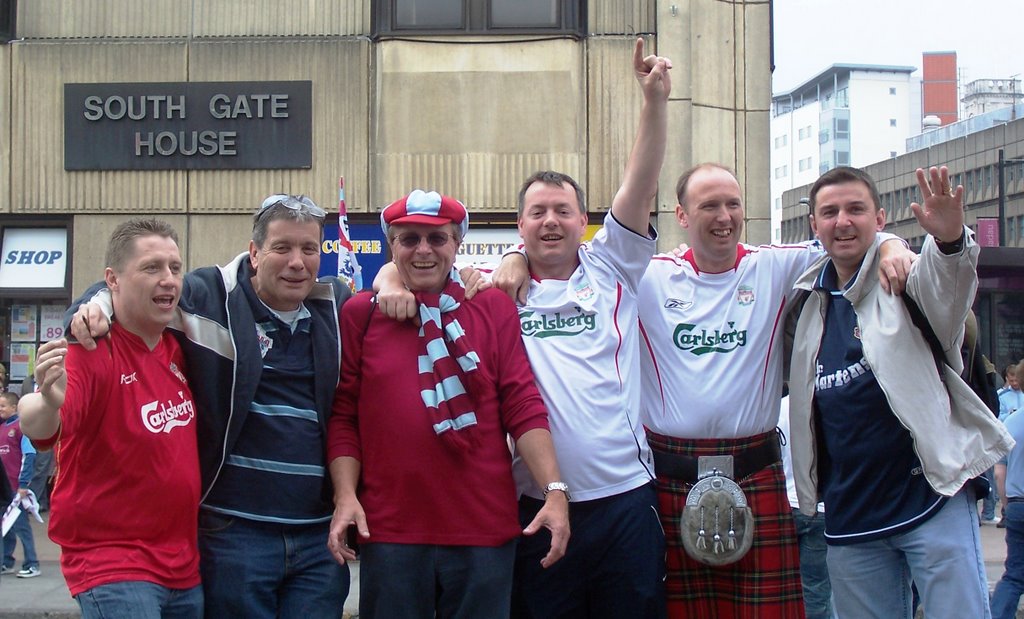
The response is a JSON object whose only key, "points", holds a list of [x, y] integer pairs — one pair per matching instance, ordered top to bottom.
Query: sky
{"points": [[812, 35]]}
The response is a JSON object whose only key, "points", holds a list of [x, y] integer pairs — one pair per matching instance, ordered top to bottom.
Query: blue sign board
{"points": [[369, 244]]}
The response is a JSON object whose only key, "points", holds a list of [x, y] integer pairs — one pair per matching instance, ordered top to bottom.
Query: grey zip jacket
{"points": [[955, 436]]}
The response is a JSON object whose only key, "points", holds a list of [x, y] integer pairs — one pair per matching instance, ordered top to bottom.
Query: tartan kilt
{"points": [[765, 583]]}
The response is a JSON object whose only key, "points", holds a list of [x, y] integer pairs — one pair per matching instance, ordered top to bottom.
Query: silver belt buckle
{"points": [[717, 524]]}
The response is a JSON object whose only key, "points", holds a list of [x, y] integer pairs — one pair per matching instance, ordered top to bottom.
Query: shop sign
{"points": [[34, 258]]}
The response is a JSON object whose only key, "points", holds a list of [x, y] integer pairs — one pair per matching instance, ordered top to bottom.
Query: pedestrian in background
{"points": [[18, 457], [1010, 480]]}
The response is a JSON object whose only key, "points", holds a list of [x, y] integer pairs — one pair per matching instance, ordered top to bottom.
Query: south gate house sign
{"points": [[188, 125]]}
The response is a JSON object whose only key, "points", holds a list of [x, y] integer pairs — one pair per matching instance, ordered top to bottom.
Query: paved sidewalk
{"points": [[46, 596]]}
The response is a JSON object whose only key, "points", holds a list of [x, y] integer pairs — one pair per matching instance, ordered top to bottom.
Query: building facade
{"points": [[986, 95], [464, 96], [845, 115], [974, 161]]}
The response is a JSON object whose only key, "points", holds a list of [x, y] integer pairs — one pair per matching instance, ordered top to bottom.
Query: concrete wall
{"points": [[468, 115]]}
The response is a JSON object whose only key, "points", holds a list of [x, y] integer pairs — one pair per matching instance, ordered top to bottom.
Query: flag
{"points": [[348, 267]]}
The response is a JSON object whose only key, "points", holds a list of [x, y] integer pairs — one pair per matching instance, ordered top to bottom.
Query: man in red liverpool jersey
{"points": [[122, 420]]}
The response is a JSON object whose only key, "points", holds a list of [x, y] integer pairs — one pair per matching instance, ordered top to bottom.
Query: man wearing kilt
{"points": [[712, 380]]}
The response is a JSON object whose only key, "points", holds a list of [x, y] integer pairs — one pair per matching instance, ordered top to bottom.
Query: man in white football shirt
{"points": [[579, 328], [712, 380]]}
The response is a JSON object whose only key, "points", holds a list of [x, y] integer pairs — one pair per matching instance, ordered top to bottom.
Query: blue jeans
{"points": [[988, 504], [21, 530], [810, 530], [614, 565], [262, 570], [871, 580], [421, 581], [1011, 585], [140, 600]]}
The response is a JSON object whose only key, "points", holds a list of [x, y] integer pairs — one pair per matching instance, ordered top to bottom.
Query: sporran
{"points": [[717, 524]]}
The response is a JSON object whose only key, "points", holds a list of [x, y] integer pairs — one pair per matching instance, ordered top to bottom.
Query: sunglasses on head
{"points": [[296, 203], [412, 239]]}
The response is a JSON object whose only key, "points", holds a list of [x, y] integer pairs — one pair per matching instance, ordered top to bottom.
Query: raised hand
{"points": [[652, 72], [942, 214]]}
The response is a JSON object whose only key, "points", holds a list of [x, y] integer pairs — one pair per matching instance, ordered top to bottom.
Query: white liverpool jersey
{"points": [[582, 339], [712, 342]]}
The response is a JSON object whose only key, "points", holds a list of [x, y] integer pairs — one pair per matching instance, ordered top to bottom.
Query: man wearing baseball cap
{"points": [[417, 439]]}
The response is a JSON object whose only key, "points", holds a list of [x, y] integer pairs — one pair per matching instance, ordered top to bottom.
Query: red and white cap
{"points": [[425, 207]]}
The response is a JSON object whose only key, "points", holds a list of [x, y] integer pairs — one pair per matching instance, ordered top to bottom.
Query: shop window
{"points": [[398, 17]]}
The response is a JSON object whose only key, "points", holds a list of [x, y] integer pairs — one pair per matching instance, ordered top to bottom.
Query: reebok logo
{"points": [[677, 304]]}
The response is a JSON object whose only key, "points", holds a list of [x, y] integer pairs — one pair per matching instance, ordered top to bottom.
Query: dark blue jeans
{"points": [[21, 530], [810, 530], [614, 565], [262, 570], [422, 581], [1011, 585], [140, 600]]}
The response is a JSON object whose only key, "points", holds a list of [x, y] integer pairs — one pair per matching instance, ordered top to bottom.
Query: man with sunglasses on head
{"points": [[261, 337]]}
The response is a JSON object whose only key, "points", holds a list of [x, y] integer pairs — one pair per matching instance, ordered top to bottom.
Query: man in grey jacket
{"points": [[873, 432]]}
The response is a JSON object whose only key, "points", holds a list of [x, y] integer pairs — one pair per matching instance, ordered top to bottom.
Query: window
{"points": [[397, 17], [892, 91], [843, 98], [892, 122], [842, 128], [806, 132], [823, 136], [782, 140], [842, 157], [805, 164], [781, 171], [988, 176], [969, 187]]}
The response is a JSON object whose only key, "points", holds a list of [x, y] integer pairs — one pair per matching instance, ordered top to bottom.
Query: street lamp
{"points": [[1001, 213]]}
